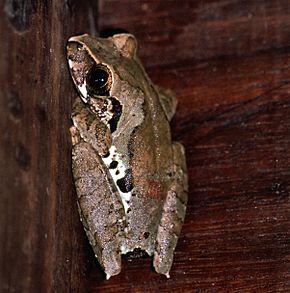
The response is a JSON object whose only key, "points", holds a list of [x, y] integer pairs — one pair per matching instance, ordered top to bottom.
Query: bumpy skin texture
{"points": [[130, 178]]}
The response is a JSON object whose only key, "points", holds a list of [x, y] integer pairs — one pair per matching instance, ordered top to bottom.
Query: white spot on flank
{"points": [[118, 173]]}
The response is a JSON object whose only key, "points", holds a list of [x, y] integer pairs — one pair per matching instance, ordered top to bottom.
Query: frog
{"points": [[130, 177]]}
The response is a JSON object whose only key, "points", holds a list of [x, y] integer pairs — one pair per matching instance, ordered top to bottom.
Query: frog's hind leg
{"points": [[168, 101], [100, 209], [173, 214]]}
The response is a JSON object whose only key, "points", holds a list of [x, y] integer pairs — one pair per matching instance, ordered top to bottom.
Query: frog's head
{"points": [[93, 62]]}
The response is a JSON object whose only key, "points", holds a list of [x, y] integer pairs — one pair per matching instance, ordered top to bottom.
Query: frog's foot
{"points": [[168, 101], [173, 214], [107, 253]]}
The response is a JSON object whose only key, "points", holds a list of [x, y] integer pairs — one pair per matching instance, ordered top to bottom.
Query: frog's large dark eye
{"points": [[99, 80]]}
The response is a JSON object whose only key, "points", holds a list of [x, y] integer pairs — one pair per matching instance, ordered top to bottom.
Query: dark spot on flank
{"points": [[117, 111], [113, 165], [117, 172], [126, 183]]}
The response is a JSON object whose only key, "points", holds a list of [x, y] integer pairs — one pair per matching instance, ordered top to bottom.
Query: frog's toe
{"points": [[163, 257], [111, 261]]}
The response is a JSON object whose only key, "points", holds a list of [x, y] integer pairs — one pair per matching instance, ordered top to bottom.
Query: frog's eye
{"points": [[99, 80]]}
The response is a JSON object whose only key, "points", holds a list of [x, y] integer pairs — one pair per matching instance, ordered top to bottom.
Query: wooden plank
{"points": [[175, 31], [42, 241]]}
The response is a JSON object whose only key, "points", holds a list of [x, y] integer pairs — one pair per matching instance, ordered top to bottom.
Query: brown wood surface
{"points": [[228, 63]]}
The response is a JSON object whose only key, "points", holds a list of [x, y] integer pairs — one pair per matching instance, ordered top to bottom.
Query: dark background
{"points": [[228, 63]]}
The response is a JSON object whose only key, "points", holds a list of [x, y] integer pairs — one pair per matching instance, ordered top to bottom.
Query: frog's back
{"points": [[150, 157]]}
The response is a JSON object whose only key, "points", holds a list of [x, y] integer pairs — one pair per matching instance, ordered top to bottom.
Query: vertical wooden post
{"points": [[40, 247]]}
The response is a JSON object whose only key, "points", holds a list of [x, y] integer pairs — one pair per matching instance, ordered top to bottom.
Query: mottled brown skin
{"points": [[142, 138]]}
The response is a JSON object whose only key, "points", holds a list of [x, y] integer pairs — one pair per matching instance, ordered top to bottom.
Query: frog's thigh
{"points": [[168, 102], [98, 206], [173, 214]]}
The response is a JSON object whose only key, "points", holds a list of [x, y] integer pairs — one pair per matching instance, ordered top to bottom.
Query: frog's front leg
{"points": [[173, 214]]}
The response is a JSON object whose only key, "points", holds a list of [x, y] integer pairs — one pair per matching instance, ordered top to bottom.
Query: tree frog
{"points": [[130, 178]]}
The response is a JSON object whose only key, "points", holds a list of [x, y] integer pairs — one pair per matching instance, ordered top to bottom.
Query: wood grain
{"points": [[172, 32], [228, 63], [42, 242]]}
